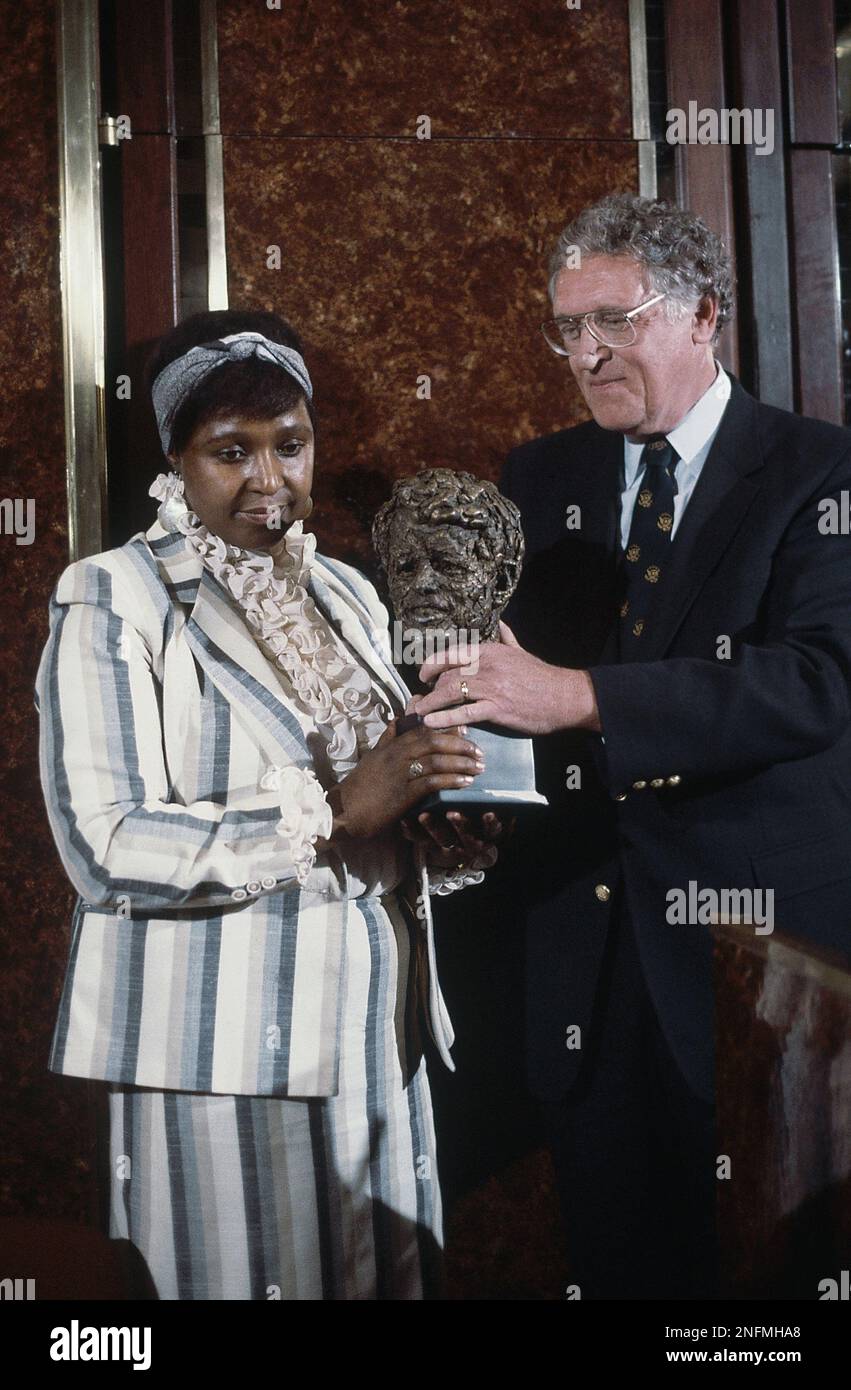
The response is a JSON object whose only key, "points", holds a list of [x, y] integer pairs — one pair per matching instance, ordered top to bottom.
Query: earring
{"points": [[310, 509]]}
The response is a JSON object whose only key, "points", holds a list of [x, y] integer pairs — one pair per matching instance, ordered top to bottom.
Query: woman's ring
{"points": [[465, 691], [415, 769]]}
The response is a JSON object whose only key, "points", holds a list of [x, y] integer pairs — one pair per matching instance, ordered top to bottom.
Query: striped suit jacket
{"points": [[197, 962]]}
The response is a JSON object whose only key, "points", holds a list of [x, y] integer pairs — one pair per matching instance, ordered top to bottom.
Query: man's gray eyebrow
{"points": [[600, 309]]}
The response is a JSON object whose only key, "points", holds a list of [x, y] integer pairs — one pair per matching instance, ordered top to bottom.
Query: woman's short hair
{"points": [[680, 255], [250, 387]]}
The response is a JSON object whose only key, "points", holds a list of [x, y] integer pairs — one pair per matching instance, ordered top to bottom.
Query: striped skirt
{"points": [[256, 1197]]}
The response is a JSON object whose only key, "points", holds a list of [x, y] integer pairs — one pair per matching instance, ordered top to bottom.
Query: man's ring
{"points": [[465, 691], [415, 769]]}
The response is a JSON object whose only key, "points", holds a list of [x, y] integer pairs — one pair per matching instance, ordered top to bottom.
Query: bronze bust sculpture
{"points": [[451, 548]]}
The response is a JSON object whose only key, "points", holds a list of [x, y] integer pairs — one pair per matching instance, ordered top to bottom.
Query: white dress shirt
{"points": [[692, 438]]}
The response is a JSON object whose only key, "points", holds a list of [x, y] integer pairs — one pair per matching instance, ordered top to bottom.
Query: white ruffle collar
{"points": [[335, 690]]}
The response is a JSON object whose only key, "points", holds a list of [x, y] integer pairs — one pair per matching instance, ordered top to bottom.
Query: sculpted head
{"points": [[451, 547]]}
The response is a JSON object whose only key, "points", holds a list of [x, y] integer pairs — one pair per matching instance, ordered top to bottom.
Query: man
{"points": [[680, 644]]}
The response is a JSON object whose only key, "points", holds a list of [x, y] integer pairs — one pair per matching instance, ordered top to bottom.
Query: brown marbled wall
{"points": [[366, 67], [403, 257], [43, 1163]]}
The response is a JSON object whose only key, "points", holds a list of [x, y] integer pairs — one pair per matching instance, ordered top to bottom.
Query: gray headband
{"points": [[175, 382]]}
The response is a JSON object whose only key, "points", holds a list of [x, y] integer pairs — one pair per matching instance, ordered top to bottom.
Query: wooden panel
{"points": [[186, 26], [695, 61], [357, 67], [144, 76], [759, 88], [813, 98], [149, 189], [815, 272], [143, 299], [783, 1077]]}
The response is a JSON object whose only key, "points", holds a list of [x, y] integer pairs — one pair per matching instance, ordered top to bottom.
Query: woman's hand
{"points": [[379, 791], [452, 839]]}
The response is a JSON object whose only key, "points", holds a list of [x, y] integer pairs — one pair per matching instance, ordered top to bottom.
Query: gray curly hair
{"points": [[680, 255], [444, 497]]}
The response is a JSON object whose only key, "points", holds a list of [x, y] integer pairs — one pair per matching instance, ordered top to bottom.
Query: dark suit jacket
{"points": [[760, 742]]}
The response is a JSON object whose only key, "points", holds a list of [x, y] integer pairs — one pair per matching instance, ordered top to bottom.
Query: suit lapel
{"points": [[605, 475], [726, 488], [599, 492], [335, 598], [223, 644]]}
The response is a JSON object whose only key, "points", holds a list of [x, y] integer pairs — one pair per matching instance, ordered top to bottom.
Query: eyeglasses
{"points": [[611, 327]]}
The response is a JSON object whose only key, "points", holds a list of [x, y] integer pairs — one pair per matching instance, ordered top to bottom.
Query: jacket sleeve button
{"points": [[675, 780], [657, 781], [639, 786], [621, 796], [269, 881], [253, 886], [602, 892], [238, 894]]}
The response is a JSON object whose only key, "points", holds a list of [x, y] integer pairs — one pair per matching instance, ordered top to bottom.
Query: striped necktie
{"points": [[649, 543]]}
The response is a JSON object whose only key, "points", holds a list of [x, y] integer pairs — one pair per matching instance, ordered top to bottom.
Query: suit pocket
{"points": [[805, 865]]}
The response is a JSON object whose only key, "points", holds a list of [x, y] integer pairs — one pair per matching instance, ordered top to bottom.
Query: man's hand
{"points": [[511, 688]]}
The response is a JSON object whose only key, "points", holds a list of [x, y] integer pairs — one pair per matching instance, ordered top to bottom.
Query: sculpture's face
{"points": [[438, 578]]}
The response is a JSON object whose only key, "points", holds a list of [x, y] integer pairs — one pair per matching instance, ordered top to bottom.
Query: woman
{"points": [[253, 933]]}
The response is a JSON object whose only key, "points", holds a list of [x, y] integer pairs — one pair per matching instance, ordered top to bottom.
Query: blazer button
{"points": [[675, 780], [657, 781], [638, 786], [621, 796], [269, 881], [253, 886], [602, 892], [238, 894]]}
